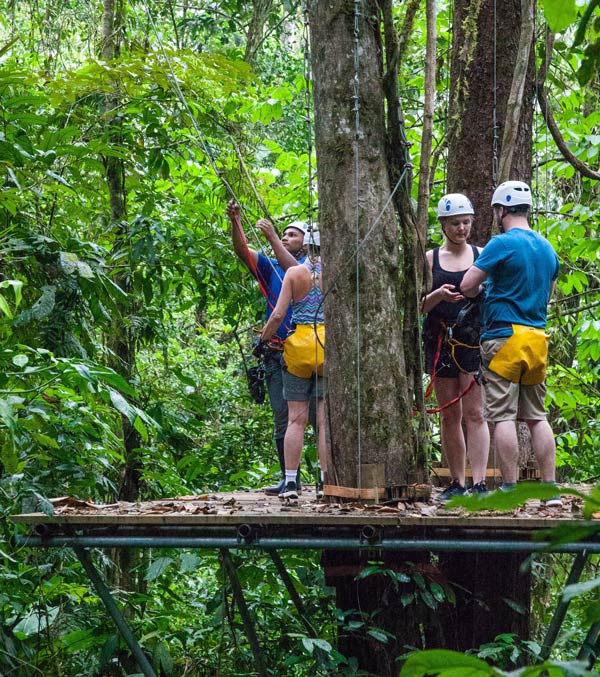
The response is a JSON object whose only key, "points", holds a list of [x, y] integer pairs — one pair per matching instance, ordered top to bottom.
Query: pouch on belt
{"points": [[303, 352], [522, 359]]}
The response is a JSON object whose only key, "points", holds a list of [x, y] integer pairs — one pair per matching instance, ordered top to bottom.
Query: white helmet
{"points": [[511, 193], [454, 204], [298, 225], [312, 237]]}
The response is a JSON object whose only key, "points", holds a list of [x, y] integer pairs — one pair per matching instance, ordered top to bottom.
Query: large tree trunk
{"points": [[472, 150], [474, 154], [367, 304]]}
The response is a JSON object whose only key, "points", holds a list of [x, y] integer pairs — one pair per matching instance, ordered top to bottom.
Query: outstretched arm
{"points": [[248, 256], [283, 256]]}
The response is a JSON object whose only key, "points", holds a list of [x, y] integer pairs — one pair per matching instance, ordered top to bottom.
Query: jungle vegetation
{"points": [[126, 319]]}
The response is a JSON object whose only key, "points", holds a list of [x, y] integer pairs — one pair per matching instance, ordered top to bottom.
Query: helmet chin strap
{"points": [[500, 225], [449, 238]]}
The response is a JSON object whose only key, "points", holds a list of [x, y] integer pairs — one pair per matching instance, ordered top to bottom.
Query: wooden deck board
{"points": [[255, 508]]}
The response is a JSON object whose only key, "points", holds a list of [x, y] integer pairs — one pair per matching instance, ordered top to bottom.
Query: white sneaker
{"points": [[554, 502]]}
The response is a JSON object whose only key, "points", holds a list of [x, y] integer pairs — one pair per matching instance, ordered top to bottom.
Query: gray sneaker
{"points": [[455, 489], [479, 489], [554, 502]]}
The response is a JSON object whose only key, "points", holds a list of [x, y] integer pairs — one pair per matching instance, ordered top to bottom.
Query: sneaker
{"points": [[276, 489], [455, 489], [479, 489], [290, 491], [320, 492], [554, 502]]}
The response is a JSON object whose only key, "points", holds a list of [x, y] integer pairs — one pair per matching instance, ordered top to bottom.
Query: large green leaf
{"points": [[560, 14], [445, 664]]}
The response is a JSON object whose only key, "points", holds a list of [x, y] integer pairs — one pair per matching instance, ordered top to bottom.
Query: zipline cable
{"points": [[205, 146], [495, 158]]}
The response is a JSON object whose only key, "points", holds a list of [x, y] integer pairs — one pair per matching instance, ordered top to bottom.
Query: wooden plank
{"points": [[445, 472], [366, 494]]}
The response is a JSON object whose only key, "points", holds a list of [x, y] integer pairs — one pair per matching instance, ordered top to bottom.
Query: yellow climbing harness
{"points": [[522, 359]]}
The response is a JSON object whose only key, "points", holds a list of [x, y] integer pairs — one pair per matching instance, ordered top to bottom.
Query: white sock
{"points": [[290, 475]]}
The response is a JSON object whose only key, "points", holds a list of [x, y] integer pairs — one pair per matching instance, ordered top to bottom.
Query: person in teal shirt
{"points": [[521, 268]]}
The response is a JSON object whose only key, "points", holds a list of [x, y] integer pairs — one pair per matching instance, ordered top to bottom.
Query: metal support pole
{"points": [[306, 543], [292, 592], [561, 608], [113, 610], [244, 613], [589, 648]]}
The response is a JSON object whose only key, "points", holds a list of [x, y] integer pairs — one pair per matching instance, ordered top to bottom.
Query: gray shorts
{"points": [[296, 389], [507, 401]]}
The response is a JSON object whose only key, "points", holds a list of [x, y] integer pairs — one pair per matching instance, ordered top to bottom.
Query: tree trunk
{"points": [[256, 29], [473, 142], [474, 152], [366, 256], [121, 342]]}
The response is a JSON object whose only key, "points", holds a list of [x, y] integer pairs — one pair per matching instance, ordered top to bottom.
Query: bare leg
{"points": [[478, 433], [294, 436], [453, 439], [507, 446], [544, 446]]}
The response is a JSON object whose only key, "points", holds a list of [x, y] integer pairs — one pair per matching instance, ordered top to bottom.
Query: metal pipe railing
{"points": [[306, 543]]}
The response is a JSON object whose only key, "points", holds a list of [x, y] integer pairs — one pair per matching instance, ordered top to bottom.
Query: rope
{"points": [[355, 98], [308, 105], [205, 146], [495, 159]]}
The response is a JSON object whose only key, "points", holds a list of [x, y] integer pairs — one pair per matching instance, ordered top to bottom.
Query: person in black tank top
{"points": [[451, 345]]}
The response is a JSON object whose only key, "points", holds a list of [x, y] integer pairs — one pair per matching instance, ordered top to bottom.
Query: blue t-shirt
{"points": [[521, 265], [271, 278]]}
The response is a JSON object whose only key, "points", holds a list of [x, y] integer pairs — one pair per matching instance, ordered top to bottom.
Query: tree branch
{"points": [[513, 107], [561, 144]]}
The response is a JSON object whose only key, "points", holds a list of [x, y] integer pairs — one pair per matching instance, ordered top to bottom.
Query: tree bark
{"points": [[474, 142], [370, 384]]}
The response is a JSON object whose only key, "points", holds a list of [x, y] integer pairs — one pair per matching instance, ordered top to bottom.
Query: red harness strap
{"points": [[429, 390]]}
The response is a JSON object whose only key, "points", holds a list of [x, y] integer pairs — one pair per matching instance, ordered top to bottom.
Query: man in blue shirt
{"points": [[289, 251], [521, 268]]}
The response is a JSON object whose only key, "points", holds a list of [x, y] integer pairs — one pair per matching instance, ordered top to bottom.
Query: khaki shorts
{"points": [[507, 401]]}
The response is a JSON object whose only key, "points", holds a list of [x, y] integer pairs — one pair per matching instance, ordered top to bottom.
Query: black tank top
{"points": [[445, 310]]}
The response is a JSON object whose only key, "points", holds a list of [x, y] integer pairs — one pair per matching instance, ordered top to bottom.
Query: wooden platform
{"points": [[252, 519]]}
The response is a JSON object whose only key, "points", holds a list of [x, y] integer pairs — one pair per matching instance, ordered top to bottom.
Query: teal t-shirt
{"points": [[521, 266]]}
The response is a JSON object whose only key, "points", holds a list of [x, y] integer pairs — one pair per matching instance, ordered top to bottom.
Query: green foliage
{"points": [[560, 14], [165, 281], [441, 663]]}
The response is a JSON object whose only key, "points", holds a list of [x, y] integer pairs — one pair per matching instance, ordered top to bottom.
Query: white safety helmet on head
{"points": [[511, 194], [454, 204], [298, 225], [312, 237]]}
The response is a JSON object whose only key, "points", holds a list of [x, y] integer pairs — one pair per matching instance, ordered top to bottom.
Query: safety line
{"points": [[172, 79], [355, 98], [495, 108]]}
